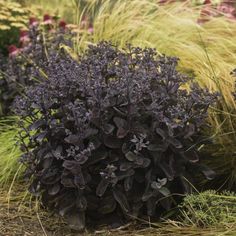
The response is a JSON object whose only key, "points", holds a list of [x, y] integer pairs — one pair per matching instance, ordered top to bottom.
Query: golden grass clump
{"points": [[10, 167]]}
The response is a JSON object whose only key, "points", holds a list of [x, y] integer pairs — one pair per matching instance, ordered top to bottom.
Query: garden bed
{"points": [[115, 139], [19, 217]]}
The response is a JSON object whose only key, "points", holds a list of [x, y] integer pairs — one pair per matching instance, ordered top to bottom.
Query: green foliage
{"points": [[13, 17], [10, 167], [209, 209]]}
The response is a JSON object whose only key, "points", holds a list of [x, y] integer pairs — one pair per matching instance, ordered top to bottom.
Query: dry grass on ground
{"points": [[24, 218]]}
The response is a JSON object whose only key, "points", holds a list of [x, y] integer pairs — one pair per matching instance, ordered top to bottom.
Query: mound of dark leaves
{"points": [[24, 64], [112, 136]]}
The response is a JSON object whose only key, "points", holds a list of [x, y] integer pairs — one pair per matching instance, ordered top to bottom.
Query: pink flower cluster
{"points": [[226, 8], [50, 24], [86, 24], [24, 39]]}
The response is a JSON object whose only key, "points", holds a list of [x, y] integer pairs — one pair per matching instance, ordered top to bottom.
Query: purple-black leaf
{"points": [[119, 122], [37, 124], [108, 128], [122, 129], [90, 132], [161, 133], [41, 136], [73, 139], [112, 142], [175, 142], [157, 147], [130, 156], [191, 156], [96, 157], [81, 158], [47, 162], [146, 162], [70, 165], [124, 166], [167, 169], [208, 173], [123, 174], [79, 180], [67, 182], [128, 182], [155, 185], [102, 187], [35, 188], [53, 190], [121, 199], [81, 203], [108, 205], [66, 207], [76, 220]]}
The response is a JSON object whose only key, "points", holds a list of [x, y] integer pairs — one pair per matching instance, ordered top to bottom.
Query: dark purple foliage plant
{"points": [[23, 66], [113, 135]]}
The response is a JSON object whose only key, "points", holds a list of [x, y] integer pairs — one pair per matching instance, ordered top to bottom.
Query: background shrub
{"points": [[115, 134], [11, 170]]}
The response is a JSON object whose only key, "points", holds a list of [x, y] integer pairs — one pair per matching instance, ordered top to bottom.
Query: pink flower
{"points": [[166, 1], [207, 2], [230, 2], [227, 10], [207, 12], [47, 19], [33, 21], [84, 22], [62, 24], [90, 28], [24, 36], [13, 50]]}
